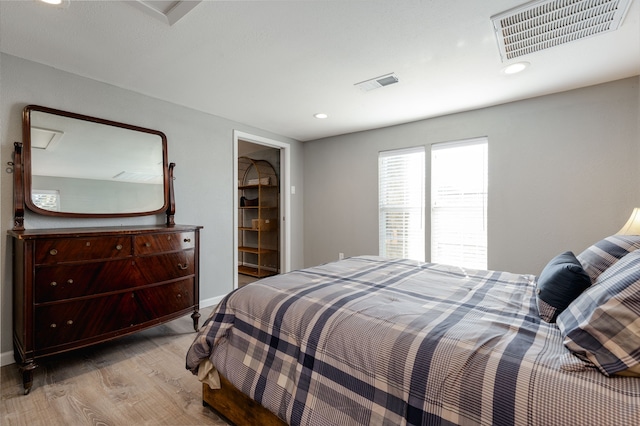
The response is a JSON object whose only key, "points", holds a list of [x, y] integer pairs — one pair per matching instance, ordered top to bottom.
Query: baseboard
{"points": [[211, 301], [6, 358]]}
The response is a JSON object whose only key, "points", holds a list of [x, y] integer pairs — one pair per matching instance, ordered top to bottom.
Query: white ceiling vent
{"points": [[543, 24], [378, 82]]}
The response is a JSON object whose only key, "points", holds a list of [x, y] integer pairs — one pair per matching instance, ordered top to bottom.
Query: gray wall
{"points": [[200, 144], [564, 171], [78, 195]]}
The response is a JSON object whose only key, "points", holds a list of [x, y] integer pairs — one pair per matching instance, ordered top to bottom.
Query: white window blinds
{"points": [[401, 198], [46, 199], [459, 203]]}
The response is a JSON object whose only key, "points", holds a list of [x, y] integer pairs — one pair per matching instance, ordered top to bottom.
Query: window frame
{"points": [[51, 194]]}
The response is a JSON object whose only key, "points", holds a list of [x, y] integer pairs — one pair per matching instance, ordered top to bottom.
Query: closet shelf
{"points": [[256, 186], [258, 207], [258, 234], [256, 250], [255, 272]]}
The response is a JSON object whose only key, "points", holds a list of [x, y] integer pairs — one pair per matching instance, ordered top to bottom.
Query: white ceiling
{"points": [[273, 64]]}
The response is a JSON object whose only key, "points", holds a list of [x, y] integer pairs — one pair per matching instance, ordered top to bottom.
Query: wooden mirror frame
{"points": [[23, 178]]}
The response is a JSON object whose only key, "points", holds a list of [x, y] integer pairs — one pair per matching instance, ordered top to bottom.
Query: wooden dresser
{"points": [[78, 287]]}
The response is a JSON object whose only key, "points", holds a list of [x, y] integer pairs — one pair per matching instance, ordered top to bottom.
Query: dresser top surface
{"points": [[99, 231]]}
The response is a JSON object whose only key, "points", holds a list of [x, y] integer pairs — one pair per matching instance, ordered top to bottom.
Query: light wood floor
{"points": [[135, 380]]}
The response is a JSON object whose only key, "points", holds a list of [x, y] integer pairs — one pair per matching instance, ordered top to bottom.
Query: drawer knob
{"points": [[168, 237], [187, 240], [88, 244], [147, 244], [119, 247], [53, 252], [183, 267], [70, 281], [53, 283], [179, 296], [69, 322], [53, 325]]}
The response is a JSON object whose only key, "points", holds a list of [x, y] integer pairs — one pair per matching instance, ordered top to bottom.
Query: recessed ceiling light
{"points": [[59, 3], [515, 68], [320, 115]]}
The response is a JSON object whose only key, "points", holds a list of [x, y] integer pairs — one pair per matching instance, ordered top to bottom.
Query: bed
{"points": [[374, 341]]}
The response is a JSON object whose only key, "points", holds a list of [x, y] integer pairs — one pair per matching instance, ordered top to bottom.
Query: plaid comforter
{"points": [[369, 341]]}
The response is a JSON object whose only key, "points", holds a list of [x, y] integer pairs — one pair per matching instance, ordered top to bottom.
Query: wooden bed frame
{"points": [[237, 408]]}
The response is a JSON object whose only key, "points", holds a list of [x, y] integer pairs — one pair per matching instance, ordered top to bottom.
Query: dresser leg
{"points": [[196, 317], [27, 375]]}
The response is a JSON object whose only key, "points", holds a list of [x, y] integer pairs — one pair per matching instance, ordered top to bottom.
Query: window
{"points": [[46, 199], [401, 203], [459, 203]]}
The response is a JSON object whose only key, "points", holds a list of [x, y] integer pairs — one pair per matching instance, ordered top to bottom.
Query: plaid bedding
{"points": [[369, 341]]}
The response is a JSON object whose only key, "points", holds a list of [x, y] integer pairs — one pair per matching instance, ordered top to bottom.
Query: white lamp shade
{"points": [[632, 227]]}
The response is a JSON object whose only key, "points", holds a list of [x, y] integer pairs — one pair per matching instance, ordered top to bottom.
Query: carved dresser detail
{"points": [[77, 287]]}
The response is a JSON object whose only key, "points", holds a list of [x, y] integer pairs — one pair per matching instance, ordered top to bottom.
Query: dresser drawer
{"points": [[164, 242], [49, 251], [168, 266], [60, 282], [166, 299], [63, 323]]}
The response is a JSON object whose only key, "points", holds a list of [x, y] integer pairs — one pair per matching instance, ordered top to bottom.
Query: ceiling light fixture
{"points": [[58, 3], [515, 68], [320, 115]]}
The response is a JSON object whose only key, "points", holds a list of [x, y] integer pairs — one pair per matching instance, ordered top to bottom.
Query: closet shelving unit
{"points": [[258, 218]]}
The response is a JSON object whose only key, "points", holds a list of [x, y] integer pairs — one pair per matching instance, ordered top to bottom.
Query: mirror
{"points": [[81, 166]]}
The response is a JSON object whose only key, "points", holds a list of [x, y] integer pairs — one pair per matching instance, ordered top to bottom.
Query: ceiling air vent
{"points": [[540, 25], [378, 82]]}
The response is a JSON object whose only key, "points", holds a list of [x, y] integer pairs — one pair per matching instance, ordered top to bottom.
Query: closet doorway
{"points": [[276, 154]]}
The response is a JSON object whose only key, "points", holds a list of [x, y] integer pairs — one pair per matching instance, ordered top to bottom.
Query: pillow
{"points": [[606, 252], [559, 283], [603, 324], [631, 372]]}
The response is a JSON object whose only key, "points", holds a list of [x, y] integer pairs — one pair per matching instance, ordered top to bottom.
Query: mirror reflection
{"points": [[86, 167]]}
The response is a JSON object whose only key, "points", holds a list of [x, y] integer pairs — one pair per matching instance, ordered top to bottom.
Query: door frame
{"points": [[285, 198]]}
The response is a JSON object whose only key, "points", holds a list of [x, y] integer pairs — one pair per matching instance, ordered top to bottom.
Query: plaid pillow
{"points": [[597, 258], [603, 324]]}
